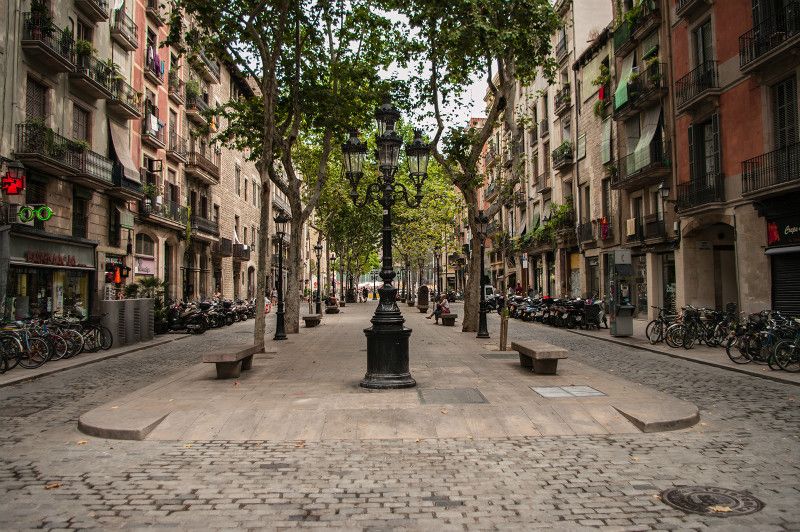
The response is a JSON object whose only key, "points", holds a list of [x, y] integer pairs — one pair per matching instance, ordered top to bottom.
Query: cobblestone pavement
{"points": [[52, 477]]}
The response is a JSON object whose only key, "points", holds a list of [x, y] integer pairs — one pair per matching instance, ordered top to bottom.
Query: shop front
{"points": [[783, 241], [49, 275]]}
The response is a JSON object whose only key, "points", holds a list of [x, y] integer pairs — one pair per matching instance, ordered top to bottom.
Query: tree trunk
{"points": [[264, 259], [294, 276], [472, 289]]}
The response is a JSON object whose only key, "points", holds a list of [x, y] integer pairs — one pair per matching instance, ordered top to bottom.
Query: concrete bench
{"points": [[342, 303], [423, 308], [331, 310], [312, 320], [449, 320], [542, 357], [230, 363]]}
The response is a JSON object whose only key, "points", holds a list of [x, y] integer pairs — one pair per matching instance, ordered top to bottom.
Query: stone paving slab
{"points": [[309, 390]]}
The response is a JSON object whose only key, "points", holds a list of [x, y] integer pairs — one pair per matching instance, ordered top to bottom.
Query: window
{"points": [[83, 31], [703, 45], [784, 95], [35, 98], [80, 123], [582, 146], [606, 147], [704, 150], [238, 172], [245, 189], [255, 191], [606, 199], [586, 208], [80, 213], [216, 213], [113, 226], [236, 228], [245, 235], [255, 238], [145, 245]]}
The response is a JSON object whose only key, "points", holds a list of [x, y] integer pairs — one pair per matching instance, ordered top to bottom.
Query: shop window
{"points": [[145, 245]]}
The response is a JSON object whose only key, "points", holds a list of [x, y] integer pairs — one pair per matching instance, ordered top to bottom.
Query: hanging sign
{"points": [[13, 184], [27, 213]]}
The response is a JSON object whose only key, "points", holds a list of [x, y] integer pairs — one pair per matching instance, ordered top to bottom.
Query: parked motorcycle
{"points": [[186, 317]]}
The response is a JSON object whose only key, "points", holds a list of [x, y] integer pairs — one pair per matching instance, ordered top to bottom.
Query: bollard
{"points": [[503, 329]]}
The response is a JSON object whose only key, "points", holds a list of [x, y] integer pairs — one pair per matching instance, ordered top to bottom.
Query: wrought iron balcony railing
{"points": [[124, 30], [41, 35], [770, 35], [561, 49], [153, 68], [699, 81], [176, 86], [562, 99], [177, 146], [45, 148], [647, 161], [92, 164], [771, 169], [699, 192], [169, 210], [205, 225], [586, 232], [241, 252]]}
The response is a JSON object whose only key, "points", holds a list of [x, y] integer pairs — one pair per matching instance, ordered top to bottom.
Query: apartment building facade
{"points": [[109, 124]]}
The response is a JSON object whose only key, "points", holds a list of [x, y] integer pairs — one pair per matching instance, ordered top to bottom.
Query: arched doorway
{"points": [[709, 263]]}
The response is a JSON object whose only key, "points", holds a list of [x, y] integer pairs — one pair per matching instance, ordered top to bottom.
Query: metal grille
{"points": [[35, 96]]}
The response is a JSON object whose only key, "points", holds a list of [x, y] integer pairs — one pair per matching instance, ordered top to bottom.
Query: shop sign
{"points": [[12, 184], [27, 213], [783, 232], [52, 259], [145, 266]]}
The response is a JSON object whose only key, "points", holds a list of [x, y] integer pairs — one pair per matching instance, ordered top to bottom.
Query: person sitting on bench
{"points": [[442, 307]]}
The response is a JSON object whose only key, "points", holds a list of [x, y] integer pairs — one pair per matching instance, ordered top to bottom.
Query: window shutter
{"points": [[785, 105], [715, 131], [606, 146], [691, 154]]}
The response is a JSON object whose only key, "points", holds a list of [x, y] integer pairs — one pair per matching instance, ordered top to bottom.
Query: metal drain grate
{"points": [[500, 356], [553, 392], [451, 396], [708, 500]]}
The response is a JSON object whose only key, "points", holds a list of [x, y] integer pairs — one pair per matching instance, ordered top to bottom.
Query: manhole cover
{"points": [[500, 356], [451, 396], [707, 500]]}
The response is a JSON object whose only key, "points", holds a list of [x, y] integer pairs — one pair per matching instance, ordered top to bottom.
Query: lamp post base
{"points": [[483, 331], [387, 358]]}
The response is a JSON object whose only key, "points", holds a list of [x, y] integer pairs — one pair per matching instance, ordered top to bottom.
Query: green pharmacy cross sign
{"points": [[27, 213]]}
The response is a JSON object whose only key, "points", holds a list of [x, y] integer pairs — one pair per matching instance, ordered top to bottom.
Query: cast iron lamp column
{"points": [[482, 223], [280, 231], [437, 250], [318, 252], [374, 281], [387, 339]]}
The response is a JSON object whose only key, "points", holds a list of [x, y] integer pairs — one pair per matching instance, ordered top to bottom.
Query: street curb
{"points": [[690, 359], [27, 378]]}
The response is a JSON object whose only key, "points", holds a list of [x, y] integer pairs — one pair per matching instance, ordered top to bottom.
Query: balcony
{"points": [[690, 8], [95, 10], [155, 13], [647, 18], [124, 31], [775, 38], [623, 40], [561, 49], [51, 50], [206, 66], [153, 71], [91, 78], [697, 87], [177, 88], [646, 88], [563, 100], [124, 102], [196, 110], [544, 128], [153, 130], [41, 148], [177, 149], [563, 157], [204, 163], [646, 166], [93, 169], [772, 172], [543, 181], [124, 188], [709, 189], [492, 190], [521, 199], [167, 213], [204, 225], [655, 229], [605, 231], [635, 231], [586, 233], [223, 248], [241, 252]]}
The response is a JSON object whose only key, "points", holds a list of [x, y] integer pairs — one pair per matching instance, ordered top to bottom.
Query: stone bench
{"points": [[342, 303], [423, 308], [332, 310], [312, 320], [449, 320], [542, 357], [230, 363]]}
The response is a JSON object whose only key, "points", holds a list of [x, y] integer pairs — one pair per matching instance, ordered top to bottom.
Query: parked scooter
{"points": [[186, 317]]}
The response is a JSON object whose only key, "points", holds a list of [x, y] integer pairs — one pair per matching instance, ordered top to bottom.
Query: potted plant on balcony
{"points": [[40, 24], [66, 42], [83, 51], [192, 89], [77, 145], [150, 190]]}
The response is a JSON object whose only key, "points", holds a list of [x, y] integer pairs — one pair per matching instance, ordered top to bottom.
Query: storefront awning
{"points": [[621, 95], [650, 122], [119, 136], [781, 251], [51, 266]]}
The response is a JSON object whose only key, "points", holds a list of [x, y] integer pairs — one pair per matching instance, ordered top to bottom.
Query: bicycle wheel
{"points": [[655, 331], [720, 333], [674, 335], [691, 335], [105, 337], [75, 340], [91, 340], [59, 346], [737, 349], [11, 351], [36, 354], [787, 354]]}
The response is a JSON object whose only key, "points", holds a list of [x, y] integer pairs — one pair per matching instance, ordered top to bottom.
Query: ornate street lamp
{"points": [[482, 223], [280, 231], [318, 253], [437, 256], [333, 275], [387, 339]]}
